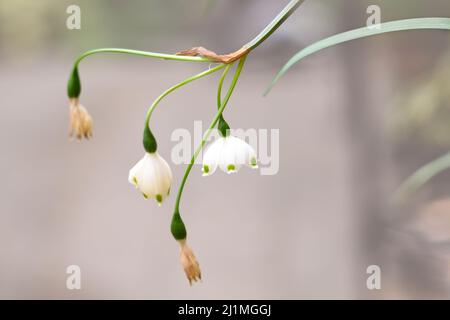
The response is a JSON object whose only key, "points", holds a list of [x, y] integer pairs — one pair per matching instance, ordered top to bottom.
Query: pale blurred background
{"points": [[354, 122]]}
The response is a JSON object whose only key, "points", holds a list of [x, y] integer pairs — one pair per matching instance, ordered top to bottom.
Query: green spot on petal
{"points": [[253, 162], [231, 167], [205, 169], [135, 182], [145, 196], [159, 198]]}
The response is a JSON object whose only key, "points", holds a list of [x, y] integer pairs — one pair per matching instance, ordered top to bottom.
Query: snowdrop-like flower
{"points": [[80, 120], [229, 153], [152, 176], [189, 262]]}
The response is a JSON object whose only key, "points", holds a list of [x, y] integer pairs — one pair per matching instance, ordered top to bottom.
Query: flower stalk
{"points": [[223, 126], [208, 132], [149, 141], [177, 227]]}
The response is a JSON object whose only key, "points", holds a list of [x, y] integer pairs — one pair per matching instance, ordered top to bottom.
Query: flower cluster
{"points": [[152, 175]]}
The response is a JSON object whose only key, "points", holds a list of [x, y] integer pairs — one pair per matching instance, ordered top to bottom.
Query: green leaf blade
{"points": [[393, 26]]}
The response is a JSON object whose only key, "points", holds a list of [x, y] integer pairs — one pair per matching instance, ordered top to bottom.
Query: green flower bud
{"points": [[74, 85], [223, 127], [149, 140], [177, 227]]}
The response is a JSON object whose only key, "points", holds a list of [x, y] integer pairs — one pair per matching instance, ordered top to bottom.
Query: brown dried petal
{"points": [[80, 121], [189, 262]]}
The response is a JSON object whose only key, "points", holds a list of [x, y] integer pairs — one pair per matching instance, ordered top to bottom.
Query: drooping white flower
{"points": [[228, 153], [152, 176]]}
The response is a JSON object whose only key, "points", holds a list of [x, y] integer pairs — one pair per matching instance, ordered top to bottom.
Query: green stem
{"points": [[147, 54], [74, 85], [219, 88], [171, 89], [222, 125], [208, 132], [149, 141]]}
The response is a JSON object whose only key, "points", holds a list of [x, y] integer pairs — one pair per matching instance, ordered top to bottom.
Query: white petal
{"points": [[241, 150], [246, 155], [212, 156], [253, 159], [227, 162], [134, 172], [163, 177], [147, 181]]}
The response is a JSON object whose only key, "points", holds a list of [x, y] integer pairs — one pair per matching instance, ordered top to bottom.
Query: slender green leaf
{"points": [[275, 24], [400, 25], [422, 176]]}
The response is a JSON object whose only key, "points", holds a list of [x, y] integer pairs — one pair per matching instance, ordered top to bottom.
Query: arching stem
{"points": [[208, 132]]}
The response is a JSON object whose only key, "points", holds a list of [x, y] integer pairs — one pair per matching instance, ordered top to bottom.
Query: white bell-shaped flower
{"points": [[228, 153], [152, 176]]}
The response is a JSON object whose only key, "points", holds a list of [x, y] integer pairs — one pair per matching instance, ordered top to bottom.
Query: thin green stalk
{"points": [[147, 54], [173, 88], [219, 88], [222, 125], [208, 132], [149, 141]]}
